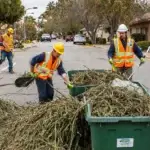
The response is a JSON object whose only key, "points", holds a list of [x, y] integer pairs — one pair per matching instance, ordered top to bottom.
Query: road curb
{"points": [[25, 48]]}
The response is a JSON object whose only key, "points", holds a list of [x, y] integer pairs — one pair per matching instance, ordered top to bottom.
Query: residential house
{"points": [[141, 25], [101, 33]]}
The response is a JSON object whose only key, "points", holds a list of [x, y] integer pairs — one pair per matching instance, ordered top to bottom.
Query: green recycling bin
{"points": [[79, 89], [119, 133]]}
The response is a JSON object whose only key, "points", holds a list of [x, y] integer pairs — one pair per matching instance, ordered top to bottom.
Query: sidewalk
{"points": [[26, 46]]}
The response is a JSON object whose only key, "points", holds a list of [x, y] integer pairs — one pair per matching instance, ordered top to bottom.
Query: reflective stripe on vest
{"points": [[123, 57], [46, 69]]}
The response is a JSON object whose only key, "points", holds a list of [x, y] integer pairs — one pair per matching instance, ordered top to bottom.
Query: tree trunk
{"points": [[113, 26], [93, 38]]}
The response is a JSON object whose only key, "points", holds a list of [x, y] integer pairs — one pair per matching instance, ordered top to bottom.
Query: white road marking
{"points": [[7, 67]]}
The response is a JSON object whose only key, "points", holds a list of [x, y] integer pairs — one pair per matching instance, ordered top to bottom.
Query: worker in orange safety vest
{"points": [[121, 52], [43, 67]]}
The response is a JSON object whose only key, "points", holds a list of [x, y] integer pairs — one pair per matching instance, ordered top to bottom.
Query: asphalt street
{"points": [[76, 57]]}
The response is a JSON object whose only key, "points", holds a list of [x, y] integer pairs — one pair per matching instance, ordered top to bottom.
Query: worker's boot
{"points": [[11, 72], [41, 102]]}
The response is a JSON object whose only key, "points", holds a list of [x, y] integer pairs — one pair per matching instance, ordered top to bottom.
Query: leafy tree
{"points": [[11, 11], [121, 11], [90, 14], [72, 15], [60, 18], [30, 24], [31, 33]]}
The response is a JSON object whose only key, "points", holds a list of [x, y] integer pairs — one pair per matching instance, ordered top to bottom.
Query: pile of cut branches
{"points": [[92, 77], [107, 101], [61, 124], [50, 126]]}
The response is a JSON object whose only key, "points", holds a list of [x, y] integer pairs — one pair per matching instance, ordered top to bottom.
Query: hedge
{"points": [[138, 37], [88, 40], [98, 40], [101, 41], [143, 44]]}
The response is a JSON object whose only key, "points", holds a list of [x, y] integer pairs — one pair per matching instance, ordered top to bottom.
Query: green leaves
{"points": [[11, 11], [30, 28]]}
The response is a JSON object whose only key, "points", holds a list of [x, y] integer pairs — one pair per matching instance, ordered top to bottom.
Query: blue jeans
{"points": [[0, 57], [9, 58], [46, 92]]}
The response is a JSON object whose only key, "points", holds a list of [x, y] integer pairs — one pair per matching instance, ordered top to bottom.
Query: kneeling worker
{"points": [[43, 67]]}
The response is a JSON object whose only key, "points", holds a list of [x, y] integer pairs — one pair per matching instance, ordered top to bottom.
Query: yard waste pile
{"points": [[92, 77], [109, 99], [7, 111], [61, 125], [50, 126]]}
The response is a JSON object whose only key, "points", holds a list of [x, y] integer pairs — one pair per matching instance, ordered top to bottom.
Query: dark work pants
{"points": [[0, 57], [9, 58], [126, 71], [46, 92]]}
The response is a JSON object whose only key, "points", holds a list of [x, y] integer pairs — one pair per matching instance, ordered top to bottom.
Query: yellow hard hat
{"points": [[11, 30], [59, 47]]}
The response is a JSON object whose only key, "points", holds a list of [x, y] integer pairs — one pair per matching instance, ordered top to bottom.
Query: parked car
{"points": [[53, 36], [45, 37], [69, 38], [80, 39]]}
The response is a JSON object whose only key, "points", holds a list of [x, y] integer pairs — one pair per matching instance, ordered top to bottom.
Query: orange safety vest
{"points": [[123, 57], [46, 68]]}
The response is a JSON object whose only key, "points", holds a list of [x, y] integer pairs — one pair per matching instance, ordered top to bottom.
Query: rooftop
{"points": [[144, 18]]}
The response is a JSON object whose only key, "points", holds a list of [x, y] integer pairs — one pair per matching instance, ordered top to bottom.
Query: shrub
{"points": [[138, 37], [27, 41], [88, 41], [101, 41], [143, 44]]}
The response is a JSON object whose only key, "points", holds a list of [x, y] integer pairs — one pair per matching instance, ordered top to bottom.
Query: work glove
{"points": [[111, 61], [142, 61], [113, 68], [33, 75], [69, 85]]}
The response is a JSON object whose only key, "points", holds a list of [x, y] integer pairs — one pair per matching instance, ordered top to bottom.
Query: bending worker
{"points": [[8, 44], [122, 50], [43, 67]]}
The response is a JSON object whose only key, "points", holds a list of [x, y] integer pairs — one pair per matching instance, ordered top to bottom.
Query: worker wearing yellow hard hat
{"points": [[11, 30], [8, 48], [59, 48], [43, 67]]}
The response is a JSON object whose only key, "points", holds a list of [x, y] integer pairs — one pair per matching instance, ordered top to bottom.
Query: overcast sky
{"points": [[41, 4]]}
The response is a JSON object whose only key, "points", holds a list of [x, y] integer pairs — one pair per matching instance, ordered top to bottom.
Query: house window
{"points": [[137, 30], [143, 30]]}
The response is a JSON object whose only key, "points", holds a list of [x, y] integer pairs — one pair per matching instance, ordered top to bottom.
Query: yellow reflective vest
{"points": [[8, 40], [123, 57]]}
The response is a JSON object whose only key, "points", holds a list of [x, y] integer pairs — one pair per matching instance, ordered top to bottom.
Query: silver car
{"points": [[45, 37], [79, 39]]}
